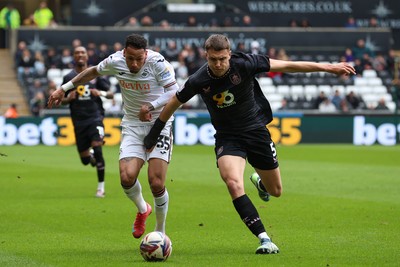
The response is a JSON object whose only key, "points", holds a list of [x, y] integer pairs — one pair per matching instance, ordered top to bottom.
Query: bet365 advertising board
{"points": [[195, 128]]}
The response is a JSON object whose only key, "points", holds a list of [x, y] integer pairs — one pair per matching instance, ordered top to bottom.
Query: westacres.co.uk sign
{"points": [[190, 129]]}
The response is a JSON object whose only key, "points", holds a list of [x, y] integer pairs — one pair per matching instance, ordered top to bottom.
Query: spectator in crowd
{"points": [[43, 16], [9, 17], [29, 21], [146, 21], [191, 21], [246, 21], [227, 22], [373, 22], [132, 23], [293, 23], [305, 23], [350, 23], [164, 24], [76, 43], [21, 46], [117, 46], [241, 47], [255, 47], [360, 49], [104, 52], [171, 52], [348, 54], [52, 58], [66, 59], [391, 61], [379, 63], [26, 64], [39, 65], [358, 66], [181, 71], [35, 87], [319, 99], [337, 99], [353, 100], [37, 104], [284, 104], [381, 105], [326, 106], [345, 106], [11, 112]]}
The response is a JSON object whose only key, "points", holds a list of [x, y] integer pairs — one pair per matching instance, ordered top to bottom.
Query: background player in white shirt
{"points": [[147, 82]]}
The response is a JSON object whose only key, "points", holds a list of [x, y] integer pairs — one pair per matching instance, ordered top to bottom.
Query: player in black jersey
{"points": [[239, 113], [87, 115]]}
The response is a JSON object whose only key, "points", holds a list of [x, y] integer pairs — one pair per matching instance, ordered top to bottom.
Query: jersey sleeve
{"points": [[252, 63], [106, 66], [163, 70], [186, 93]]}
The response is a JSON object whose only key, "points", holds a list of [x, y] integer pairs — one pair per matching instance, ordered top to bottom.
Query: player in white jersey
{"points": [[147, 82]]}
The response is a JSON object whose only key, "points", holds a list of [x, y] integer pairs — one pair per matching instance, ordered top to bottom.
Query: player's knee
{"points": [[85, 160], [156, 183], [275, 191]]}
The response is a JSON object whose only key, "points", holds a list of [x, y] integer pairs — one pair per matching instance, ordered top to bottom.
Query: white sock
{"points": [[100, 186], [135, 194], [161, 210], [263, 235]]}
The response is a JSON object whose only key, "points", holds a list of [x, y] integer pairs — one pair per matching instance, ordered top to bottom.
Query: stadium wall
{"points": [[192, 128]]}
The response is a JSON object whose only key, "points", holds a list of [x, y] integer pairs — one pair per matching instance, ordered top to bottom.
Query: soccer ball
{"points": [[155, 246]]}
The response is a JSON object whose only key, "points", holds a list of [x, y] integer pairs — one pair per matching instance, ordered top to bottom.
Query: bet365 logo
{"points": [[224, 99]]}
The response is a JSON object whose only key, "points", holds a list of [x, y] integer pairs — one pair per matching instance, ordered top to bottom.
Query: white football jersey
{"points": [[139, 88]]}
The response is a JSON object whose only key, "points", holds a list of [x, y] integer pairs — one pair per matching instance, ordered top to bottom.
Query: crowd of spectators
{"points": [[32, 66]]}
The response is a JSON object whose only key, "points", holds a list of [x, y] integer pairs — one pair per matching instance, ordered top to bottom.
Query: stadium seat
{"points": [[53, 73], [369, 74], [265, 81], [359, 81], [283, 89], [296, 90]]}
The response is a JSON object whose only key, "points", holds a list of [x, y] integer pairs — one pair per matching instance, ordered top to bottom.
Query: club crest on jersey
{"points": [[145, 73], [235, 78]]}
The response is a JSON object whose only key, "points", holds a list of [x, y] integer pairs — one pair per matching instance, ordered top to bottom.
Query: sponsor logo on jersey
{"points": [[121, 73], [165, 74], [235, 78], [134, 86], [206, 90], [83, 92], [224, 99]]}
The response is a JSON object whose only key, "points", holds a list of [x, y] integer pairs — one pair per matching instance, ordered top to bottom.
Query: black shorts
{"points": [[85, 134], [256, 146]]}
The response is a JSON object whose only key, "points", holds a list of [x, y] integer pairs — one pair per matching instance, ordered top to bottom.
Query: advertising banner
{"points": [[196, 128]]}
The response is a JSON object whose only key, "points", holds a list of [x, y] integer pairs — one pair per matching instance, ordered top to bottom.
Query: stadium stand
{"points": [[10, 90]]}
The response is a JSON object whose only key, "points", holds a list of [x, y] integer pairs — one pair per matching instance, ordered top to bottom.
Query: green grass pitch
{"points": [[340, 207]]}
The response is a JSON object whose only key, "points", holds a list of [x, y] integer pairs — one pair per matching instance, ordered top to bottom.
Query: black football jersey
{"points": [[235, 101], [87, 108]]}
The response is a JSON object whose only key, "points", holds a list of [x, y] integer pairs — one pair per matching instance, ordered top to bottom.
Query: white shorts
{"points": [[132, 143]]}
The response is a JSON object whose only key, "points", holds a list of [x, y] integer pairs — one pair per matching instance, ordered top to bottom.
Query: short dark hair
{"points": [[136, 41], [217, 42]]}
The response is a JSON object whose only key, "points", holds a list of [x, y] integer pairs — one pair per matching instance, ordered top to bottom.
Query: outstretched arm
{"points": [[307, 66], [83, 77], [151, 139]]}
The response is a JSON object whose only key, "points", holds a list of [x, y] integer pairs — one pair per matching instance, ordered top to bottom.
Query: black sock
{"points": [[249, 214]]}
